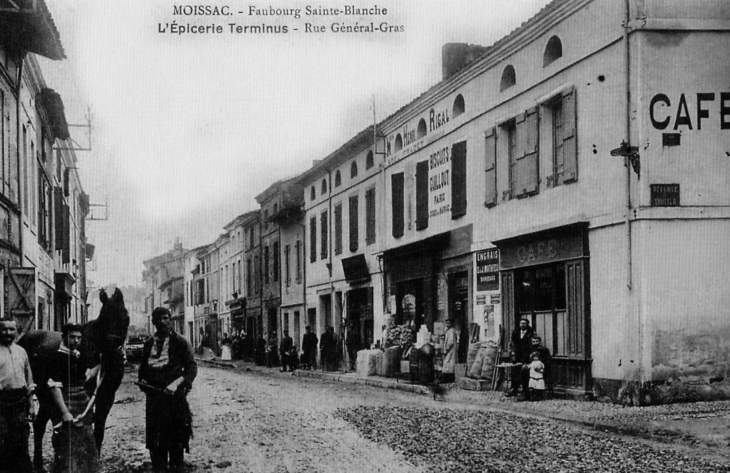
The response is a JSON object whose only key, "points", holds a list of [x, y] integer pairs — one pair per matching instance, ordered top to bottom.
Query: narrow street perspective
{"points": [[257, 420]]}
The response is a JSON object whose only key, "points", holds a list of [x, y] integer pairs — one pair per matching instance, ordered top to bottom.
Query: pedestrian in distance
{"points": [[451, 342], [353, 344], [309, 348], [328, 348], [260, 351], [287, 353], [272, 355], [166, 375], [16, 388], [73, 439]]}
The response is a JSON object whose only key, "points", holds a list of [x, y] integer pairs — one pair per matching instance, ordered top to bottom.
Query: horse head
{"points": [[110, 328]]}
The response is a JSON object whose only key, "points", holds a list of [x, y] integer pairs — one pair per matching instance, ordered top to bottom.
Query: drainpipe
{"points": [[17, 158], [627, 164]]}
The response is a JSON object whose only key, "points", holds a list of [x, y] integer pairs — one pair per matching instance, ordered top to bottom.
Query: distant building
{"points": [[163, 280]]}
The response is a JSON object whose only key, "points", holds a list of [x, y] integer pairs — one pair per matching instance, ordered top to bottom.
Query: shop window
{"points": [[553, 51], [508, 78], [459, 106], [562, 119], [421, 130], [398, 142], [369, 161], [490, 168], [353, 170], [338, 179], [458, 180], [324, 186], [312, 193], [421, 195], [397, 204], [370, 216], [338, 229], [354, 236], [313, 239], [324, 249]]}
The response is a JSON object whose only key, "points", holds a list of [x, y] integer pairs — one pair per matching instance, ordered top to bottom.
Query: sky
{"points": [[188, 128]]}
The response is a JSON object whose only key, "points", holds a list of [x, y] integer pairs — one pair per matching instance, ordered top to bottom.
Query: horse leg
{"points": [[104, 402], [39, 430]]}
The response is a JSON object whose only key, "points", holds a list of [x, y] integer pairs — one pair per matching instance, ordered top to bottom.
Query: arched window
{"points": [[553, 51], [508, 78], [459, 106], [421, 130], [398, 143], [369, 162], [353, 169], [338, 179], [324, 186], [312, 194], [276, 208]]}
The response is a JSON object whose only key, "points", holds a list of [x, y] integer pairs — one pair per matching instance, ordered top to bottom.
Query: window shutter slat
{"points": [[570, 142], [527, 158], [490, 167], [458, 179], [397, 182], [422, 195]]}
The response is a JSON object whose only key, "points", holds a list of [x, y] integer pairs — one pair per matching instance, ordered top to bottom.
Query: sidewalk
{"points": [[702, 424]]}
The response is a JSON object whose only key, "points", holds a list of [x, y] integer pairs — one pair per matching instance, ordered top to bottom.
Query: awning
{"points": [[31, 30], [53, 105], [436, 243], [355, 268]]}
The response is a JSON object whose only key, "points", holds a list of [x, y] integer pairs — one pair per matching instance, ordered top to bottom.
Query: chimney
{"points": [[456, 56], [178, 244]]}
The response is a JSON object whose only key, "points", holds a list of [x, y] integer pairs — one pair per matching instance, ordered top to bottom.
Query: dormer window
{"points": [[553, 51], [508, 78], [459, 106], [421, 130], [398, 143], [369, 161], [353, 169], [338, 179], [324, 186], [312, 193]]}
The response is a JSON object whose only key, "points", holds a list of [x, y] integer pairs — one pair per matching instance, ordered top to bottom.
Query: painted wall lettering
{"points": [[692, 111]]}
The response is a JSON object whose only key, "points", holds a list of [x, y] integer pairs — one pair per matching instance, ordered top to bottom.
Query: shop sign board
{"points": [[664, 195], [542, 250], [487, 270], [481, 300]]}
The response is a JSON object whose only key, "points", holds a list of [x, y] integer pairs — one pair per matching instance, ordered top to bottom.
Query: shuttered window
{"points": [[561, 112], [570, 142], [526, 162], [490, 168], [458, 180], [421, 195], [397, 204], [370, 216], [325, 226], [338, 229], [354, 236], [313, 239], [276, 261]]}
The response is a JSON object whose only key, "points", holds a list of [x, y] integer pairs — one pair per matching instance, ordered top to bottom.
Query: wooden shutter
{"points": [[570, 149], [526, 167], [490, 168], [458, 179], [421, 195], [397, 204], [57, 214], [370, 216], [338, 229], [354, 229], [323, 230], [66, 239], [313, 239], [576, 308], [508, 311]]}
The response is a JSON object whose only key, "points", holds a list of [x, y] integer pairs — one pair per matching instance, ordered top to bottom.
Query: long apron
{"points": [[74, 442]]}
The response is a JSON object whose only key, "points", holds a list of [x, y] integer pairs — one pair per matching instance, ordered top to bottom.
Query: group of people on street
{"points": [[271, 352], [532, 363], [166, 375]]}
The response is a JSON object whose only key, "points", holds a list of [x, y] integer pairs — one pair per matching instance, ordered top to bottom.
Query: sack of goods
{"points": [[491, 351], [366, 363], [475, 368]]}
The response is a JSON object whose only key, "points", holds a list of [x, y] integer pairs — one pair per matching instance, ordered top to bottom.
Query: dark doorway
{"points": [[459, 311]]}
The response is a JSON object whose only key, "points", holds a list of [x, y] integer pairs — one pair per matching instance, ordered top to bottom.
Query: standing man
{"points": [[451, 342], [353, 344], [309, 347], [328, 347], [521, 347], [287, 352], [166, 375], [16, 387], [73, 420]]}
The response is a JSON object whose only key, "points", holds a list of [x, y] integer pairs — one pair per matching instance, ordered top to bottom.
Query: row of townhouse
{"points": [[574, 173], [43, 248]]}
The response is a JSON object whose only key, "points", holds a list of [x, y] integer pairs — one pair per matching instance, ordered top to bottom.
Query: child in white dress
{"points": [[537, 380]]}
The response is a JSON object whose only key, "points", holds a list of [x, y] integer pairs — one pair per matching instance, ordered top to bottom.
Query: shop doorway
{"points": [[459, 311], [271, 316], [360, 316]]}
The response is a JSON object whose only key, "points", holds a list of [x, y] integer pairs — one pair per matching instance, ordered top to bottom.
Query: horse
{"points": [[101, 348]]}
